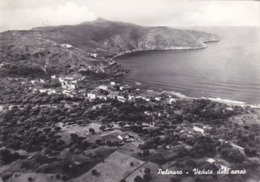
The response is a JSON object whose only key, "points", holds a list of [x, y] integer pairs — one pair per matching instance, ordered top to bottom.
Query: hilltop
{"points": [[88, 46]]}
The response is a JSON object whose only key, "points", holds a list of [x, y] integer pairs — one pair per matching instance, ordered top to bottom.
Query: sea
{"points": [[228, 70]]}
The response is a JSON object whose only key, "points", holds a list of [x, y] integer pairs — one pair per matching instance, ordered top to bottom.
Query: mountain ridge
{"points": [[90, 45]]}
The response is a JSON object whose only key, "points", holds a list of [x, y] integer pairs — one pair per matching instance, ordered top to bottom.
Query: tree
{"points": [[122, 124], [57, 128], [102, 128], [91, 130], [98, 142], [250, 151], [146, 152], [232, 155], [8, 157], [147, 170], [94, 172], [147, 177], [138, 179]]}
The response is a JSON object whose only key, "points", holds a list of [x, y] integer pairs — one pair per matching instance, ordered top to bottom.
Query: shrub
{"points": [[8, 157]]}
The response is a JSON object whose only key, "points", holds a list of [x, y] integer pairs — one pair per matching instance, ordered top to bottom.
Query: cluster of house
{"points": [[68, 85], [36, 87], [112, 91], [125, 93], [195, 129]]}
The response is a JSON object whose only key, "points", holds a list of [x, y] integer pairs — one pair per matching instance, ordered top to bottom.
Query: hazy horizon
{"points": [[26, 14]]}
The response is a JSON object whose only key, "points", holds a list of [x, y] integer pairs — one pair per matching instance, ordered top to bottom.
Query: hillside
{"points": [[109, 37], [59, 49]]}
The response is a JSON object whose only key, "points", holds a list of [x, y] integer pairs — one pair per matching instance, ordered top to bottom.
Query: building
{"points": [[66, 46], [93, 55], [111, 62], [53, 77], [67, 83], [103, 87], [42, 90], [91, 96], [112, 96], [102, 97], [121, 98], [131, 98], [157, 98], [147, 99], [171, 100], [229, 109], [147, 113], [198, 129], [126, 137], [210, 160]]}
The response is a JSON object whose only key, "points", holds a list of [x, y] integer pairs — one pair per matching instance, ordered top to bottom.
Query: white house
{"points": [[66, 46], [93, 55], [111, 62], [53, 77], [42, 81], [103, 87], [43, 90], [51, 91], [91, 96], [112, 96], [102, 97], [121, 98], [131, 98], [157, 98], [147, 99], [171, 100], [229, 109], [147, 113], [198, 129], [120, 137], [210, 160]]}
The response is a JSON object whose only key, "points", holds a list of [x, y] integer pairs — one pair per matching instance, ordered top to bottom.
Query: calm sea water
{"points": [[229, 69]]}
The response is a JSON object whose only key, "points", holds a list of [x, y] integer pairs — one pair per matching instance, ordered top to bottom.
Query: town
{"points": [[77, 127]]}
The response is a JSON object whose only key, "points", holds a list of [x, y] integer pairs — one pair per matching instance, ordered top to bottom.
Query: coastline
{"points": [[170, 48], [164, 49], [181, 96], [214, 99], [229, 102]]}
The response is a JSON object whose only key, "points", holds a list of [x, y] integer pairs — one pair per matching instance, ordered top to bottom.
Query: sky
{"points": [[26, 14]]}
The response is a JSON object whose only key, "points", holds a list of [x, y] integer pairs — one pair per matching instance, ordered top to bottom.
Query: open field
{"points": [[114, 168]]}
